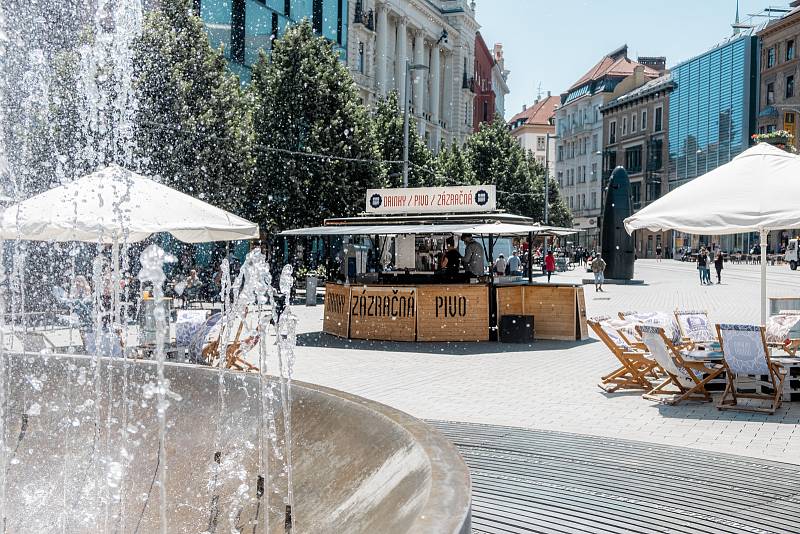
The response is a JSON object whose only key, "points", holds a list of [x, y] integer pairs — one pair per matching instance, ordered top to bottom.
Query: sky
{"points": [[554, 42]]}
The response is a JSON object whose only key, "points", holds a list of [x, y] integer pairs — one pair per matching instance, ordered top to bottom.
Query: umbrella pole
{"points": [[763, 243]]}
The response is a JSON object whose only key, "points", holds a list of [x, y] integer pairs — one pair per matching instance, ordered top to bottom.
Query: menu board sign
{"points": [[458, 199], [388, 313]]}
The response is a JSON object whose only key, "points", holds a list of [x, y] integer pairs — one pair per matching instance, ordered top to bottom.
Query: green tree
{"points": [[307, 108], [193, 122], [387, 132], [496, 158], [452, 167], [558, 214]]}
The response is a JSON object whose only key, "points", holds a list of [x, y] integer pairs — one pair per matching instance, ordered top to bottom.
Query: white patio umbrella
{"points": [[757, 191], [114, 205]]}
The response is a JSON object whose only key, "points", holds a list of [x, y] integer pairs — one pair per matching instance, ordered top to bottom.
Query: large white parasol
{"points": [[757, 191], [115, 204]]}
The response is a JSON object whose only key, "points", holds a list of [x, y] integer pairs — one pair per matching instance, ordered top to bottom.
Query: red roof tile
{"points": [[616, 65], [540, 113]]}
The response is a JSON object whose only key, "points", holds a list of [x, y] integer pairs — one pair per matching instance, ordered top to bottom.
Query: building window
{"points": [[287, 8], [316, 16], [339, 16], [237, 30], [274, 34], [789, 49], [361, 57], [771, 57], [789, 86], [770, 94], [485, 111], [644, 119], [789, 122], [633, 123], [657, 124], [624, 126], [612, 132], [540, 143], [595, 143], [560, 153], [655, 155], [633, 159], [594, 172], [560, 178], [636, 195], [594, 199]]}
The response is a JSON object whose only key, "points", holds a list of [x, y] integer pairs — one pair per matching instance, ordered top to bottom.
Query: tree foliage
{"points": [[305, 101], [193, 121], [387, 133], [452, 167]]}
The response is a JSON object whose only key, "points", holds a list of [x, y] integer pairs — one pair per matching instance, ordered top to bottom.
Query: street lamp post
{"points": [[409, 68], [547, 181]]}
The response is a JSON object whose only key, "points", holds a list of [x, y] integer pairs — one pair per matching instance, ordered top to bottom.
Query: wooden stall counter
{"points": [[558, 310], [445, 312]]}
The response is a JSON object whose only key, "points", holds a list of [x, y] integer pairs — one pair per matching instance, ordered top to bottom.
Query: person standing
{"points": [[659, 250], [473, 256], [452, 257], [515, 264], [549, 264], [500, 265], [701, 265], [718, 265], [598, 268]]}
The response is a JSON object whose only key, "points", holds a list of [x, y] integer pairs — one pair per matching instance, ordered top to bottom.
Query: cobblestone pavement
{"points": [[553, 385]]}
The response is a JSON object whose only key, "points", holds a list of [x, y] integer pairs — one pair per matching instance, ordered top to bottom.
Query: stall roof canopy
{"points": [[477, 228]]}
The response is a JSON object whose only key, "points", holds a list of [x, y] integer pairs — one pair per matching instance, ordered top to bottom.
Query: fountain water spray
{"points": [[153, 260], [287, 339]]}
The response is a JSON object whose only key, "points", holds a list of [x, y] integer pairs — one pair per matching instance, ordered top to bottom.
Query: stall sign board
{"points": [[457, 199], [337, 310], [385, 313], [453, 313]]}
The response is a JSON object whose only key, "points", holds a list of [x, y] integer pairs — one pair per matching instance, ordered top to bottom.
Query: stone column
{"points": [[382, 29], [401, 53], [419, 79], [436, 88], [448, 107]]}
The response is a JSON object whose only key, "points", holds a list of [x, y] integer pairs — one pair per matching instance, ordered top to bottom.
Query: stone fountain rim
{"points": [[450, 490]]}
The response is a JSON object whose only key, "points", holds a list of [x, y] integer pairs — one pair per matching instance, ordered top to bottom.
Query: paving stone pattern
{"points": [[553, 385]]}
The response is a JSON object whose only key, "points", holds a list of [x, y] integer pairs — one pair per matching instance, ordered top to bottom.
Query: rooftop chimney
{"points": [[548, 92], [524, 107]]}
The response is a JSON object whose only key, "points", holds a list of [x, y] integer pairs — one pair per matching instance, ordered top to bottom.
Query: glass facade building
{"points": [[243, 27], [712, 109], [712, 114]]}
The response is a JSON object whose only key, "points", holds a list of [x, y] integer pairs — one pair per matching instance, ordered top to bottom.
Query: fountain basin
{"points": [[82, 455]]}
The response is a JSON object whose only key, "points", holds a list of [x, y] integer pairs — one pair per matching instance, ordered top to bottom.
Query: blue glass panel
{"points": [[217, 17]]}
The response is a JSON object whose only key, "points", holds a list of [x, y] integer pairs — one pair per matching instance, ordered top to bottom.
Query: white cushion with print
{"points": [[696, 326], [780, 326], [651, 336], [743, 349]]}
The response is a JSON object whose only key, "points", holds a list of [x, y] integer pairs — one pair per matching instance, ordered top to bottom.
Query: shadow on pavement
{"points": [[323, 340]]}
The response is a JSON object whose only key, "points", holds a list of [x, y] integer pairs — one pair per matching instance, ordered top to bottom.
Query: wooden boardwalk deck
{"points": [[529, 481]]}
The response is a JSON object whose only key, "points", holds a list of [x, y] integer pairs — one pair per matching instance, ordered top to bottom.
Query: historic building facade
{"points": [[385, 35], [499, 80], [779, 99], [483, 106], [635, 126], [534, 128], [579, 128]]}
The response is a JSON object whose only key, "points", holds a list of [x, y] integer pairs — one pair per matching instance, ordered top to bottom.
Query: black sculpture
{"points": [[617, 244]]}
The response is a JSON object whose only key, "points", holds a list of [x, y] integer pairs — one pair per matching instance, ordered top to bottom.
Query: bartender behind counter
{"points": [[451, 259]]}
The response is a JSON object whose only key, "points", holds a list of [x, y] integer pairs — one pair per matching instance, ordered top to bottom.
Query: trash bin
{"points": [[311, 290]]}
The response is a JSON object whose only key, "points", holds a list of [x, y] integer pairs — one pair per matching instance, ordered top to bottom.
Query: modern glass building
{"points": [[244, 27], [712, 114]]}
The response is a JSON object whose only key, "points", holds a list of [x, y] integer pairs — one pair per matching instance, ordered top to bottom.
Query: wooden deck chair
{"points": [[657, 318], [694, 327], [781, 331], [233, 352], [745, 353], [636, 365], [687, 378]]}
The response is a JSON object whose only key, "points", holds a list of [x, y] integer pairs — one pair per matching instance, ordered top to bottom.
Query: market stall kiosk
{"points": [[407, 299]]}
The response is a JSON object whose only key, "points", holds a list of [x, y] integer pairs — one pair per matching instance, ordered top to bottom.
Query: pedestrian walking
{"points": [[658, 252], [515, 264], [549, 264], [718, 265], [598, 267]]}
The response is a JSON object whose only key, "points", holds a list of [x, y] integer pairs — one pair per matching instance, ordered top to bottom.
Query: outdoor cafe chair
{"points": [[694, 327], [745, 353], [636, 366], [688, 378]]}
